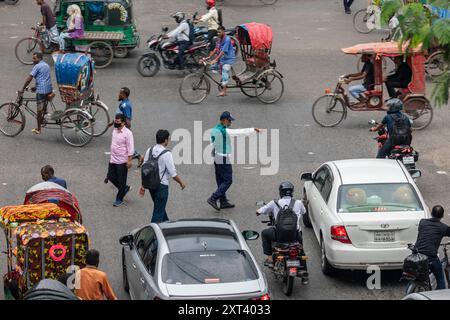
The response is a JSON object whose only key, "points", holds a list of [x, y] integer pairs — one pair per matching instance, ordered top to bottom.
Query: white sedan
{"points": [[364, 212]]}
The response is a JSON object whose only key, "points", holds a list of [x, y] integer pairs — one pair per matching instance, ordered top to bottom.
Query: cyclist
{"points": [[431, 232]]}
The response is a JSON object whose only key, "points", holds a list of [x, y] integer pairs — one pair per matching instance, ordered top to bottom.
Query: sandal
{"points": [[36, 131]]}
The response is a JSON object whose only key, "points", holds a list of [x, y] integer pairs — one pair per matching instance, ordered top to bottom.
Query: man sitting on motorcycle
{"points": [[212, 18], [181, 35], [367, 73], [398, 127], [274, 207], [431, 232]]}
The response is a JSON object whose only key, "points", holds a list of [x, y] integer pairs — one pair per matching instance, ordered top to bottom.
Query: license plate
{"points": [[408, 160], [384, 236], [293, 263]]}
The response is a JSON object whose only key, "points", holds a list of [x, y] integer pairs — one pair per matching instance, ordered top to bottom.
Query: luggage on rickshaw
{"points": [[255, 40], [75, 77], [49, 192], [42, 243]]}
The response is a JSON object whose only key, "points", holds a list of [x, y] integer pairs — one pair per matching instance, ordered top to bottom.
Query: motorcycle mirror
{"points": [[165, 29], [372, 122], [260, 203]]}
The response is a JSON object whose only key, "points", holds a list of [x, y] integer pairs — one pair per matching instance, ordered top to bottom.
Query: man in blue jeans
{"points": [[220, 137], [166, 169], [431, 233]]}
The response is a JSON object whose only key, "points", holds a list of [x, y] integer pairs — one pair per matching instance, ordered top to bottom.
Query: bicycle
{"points": [[38, 42], [75, 124], [415, 285]]}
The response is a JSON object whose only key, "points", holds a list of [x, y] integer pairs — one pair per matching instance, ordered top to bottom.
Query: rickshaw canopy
{"points": [[258, 35], [391, 48], [45, 186], [13, 216]]}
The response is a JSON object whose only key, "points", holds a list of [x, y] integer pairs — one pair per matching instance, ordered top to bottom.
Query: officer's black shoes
{"points": [[213, 204]]}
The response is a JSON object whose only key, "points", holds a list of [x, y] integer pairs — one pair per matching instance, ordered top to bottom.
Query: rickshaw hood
{"points": [[260, 35], [391, 48]]}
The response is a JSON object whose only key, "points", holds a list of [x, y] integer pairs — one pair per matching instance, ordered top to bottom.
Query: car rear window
{"points": [[378, 197], [207, 267]]}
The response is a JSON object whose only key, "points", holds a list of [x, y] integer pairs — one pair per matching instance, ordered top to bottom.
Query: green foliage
{"points": [[388, 9]]}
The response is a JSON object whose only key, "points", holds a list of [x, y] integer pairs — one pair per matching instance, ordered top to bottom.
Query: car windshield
{"points": [[378, 197], [207, 267]]}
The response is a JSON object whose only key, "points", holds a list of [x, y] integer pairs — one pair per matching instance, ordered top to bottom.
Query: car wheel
{"points": [[306, 218], [327, 269], [126, 285]]}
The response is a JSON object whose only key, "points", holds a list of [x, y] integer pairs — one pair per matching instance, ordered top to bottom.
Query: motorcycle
{"points": [[165, 50], [404, 153], [287, 261]]}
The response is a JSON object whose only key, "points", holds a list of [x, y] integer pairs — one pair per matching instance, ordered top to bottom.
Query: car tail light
{"points": [[339, 233], [263, 298]]}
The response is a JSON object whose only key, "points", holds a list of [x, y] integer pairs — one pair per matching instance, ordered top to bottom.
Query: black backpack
{"points": [[219, 15], [401, 130], [150, 172], [286, 224], [416, 265]]}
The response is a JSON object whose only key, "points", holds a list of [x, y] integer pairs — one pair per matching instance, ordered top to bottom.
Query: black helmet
{"points": [[179, 16], [394, 105], [286, 189]]}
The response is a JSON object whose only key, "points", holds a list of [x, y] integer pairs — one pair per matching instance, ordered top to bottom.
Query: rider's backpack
{"points": [[219, 15], [191, 31], [401, 130], [150, 172], [286, 224], [416, 265]]}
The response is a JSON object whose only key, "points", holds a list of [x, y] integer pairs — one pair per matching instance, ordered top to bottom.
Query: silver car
{"points": [[191, 259]]}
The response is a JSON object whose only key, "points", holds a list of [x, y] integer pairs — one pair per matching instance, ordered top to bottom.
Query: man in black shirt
{"points": [[367, 73], [400, 79], [431, 232]]}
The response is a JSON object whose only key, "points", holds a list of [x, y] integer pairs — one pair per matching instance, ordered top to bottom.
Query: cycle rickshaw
{"points": [[109, 31], [75, 78], [260, 78], [330, 109], [42, 242]]}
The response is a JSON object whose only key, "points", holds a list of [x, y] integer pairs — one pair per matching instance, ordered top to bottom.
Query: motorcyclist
{"points": [[212, 18], [181, 35], [393, 113], [431, 232], [269, 235]]}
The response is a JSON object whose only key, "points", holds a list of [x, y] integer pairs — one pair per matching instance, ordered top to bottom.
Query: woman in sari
{"points": [[75, 26]]}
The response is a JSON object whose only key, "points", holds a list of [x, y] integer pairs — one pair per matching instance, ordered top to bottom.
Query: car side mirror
{"points": [[165, 29], [372, 122], [415, 173], [307, 176], [250, 235], [127, 240]]}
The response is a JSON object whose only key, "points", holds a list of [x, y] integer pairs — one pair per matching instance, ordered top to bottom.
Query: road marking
{"points": [[322, 29], [13, 37], [77, 151], [107, 153], [311, 153], [249, 168], [441, 172], [4, 183]]}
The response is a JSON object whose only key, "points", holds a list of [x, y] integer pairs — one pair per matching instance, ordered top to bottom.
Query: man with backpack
{"points": [[214, 20], [184, 36], [398, 127], [155, 172], [286, 213]]}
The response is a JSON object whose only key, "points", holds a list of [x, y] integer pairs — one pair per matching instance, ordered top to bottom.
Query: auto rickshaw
{"points": [[109, 27], [330, 109], [43, 242]]}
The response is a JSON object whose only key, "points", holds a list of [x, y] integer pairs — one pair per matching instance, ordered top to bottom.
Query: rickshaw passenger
{"points": [[75, 26], [367, 73], [400, 79]]}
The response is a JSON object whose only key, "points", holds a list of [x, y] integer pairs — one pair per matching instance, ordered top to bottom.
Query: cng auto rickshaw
{"points": [[109, 27], [330, 109]]}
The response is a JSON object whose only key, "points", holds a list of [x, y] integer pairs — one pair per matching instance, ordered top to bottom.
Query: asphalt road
{"points": [[308, 35]]}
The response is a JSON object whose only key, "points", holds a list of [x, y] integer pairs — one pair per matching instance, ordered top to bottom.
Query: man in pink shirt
{"points": [[122, 149]]}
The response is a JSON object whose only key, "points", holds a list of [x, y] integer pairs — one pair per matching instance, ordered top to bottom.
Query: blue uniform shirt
{"points": [[226, 46], [125, 108], [59, 181]]}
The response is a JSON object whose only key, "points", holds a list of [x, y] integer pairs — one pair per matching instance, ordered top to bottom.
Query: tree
{"points": [[424, 22]]}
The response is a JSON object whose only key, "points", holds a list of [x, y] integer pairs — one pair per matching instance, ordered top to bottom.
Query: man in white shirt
{"points": [[212, 18], [181, 35], [220, 137], [166, 170], [269, 235]]}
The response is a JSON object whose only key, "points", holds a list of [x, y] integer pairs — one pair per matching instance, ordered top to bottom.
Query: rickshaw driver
{"points": [[226, 56], [367, 73], [400, 79], [43, 89]]}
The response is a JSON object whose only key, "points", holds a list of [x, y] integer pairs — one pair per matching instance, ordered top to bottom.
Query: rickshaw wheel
{"points": [[360, 20], [27, 46], [121, 52], [102, 54], [436, 64], [266, 87], [194, 88], [248, 89], [328, 111], [420, 112], [100, 117], [12, 119], [77, 128]]}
